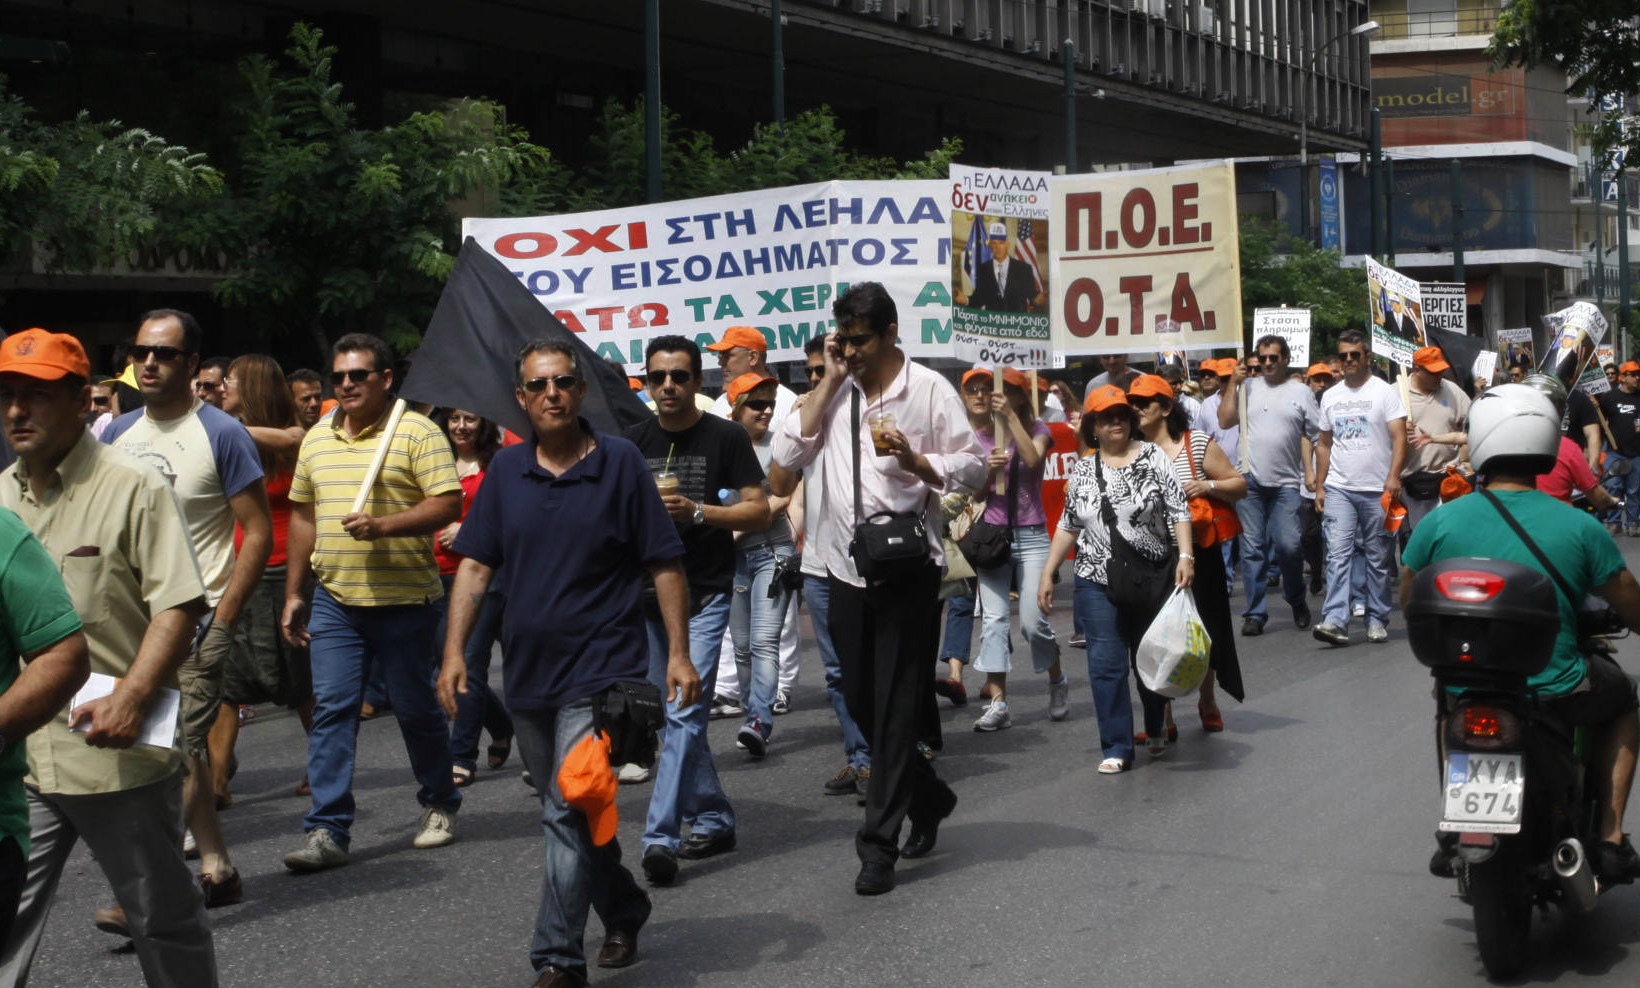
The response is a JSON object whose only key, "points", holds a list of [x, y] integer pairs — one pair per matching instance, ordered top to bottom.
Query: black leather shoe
{"points": [[1301, 616], [1252, 627], [924, 834], [706, 845], [660, 865], [874, 879], [620, 949], [553, 976]]}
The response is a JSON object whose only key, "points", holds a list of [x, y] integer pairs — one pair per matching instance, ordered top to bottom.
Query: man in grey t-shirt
{"points": [[1281, 424]]}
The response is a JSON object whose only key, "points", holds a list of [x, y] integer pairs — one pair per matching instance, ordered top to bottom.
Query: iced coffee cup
{"points": [[880, 424], [666, 482]]}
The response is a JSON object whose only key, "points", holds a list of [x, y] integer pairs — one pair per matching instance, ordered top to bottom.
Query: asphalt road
{"points": [[1289, 850]]}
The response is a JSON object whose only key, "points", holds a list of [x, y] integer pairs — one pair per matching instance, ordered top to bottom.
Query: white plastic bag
{"points": [[1174, 651]]}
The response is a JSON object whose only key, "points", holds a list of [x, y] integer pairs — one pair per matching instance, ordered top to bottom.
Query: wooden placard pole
{"points": [[1241, 414], [376, 462]]}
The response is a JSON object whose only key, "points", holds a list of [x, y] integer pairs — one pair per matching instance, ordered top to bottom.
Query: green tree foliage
{"points": [[1595, 42], [87, 192], [334, 228], [1280, 269]]}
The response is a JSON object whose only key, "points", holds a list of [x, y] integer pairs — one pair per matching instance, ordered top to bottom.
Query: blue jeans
{"points": [[1624, 487], [1354, 521], [1270, 534], [817, 596], [755, 623], [959, 628], [346, 642], [996, 644], [1112, 646], [480, 709], [686, 781], [579, 876]]}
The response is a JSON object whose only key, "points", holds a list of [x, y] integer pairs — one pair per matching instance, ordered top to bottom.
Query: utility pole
{"points": [[779, 59], [1067, 59], [652, 96], [1456, 183], [1597, 193], [1376, 198], [1389, 211], [1623, 255]]}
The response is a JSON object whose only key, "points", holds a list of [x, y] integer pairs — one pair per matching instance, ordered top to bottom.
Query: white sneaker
{"points": [[1359, 610], [1377, 633], [1059, 699], [724, 707], [995, 717], [632, 772], [438, 827], [190, 848]]}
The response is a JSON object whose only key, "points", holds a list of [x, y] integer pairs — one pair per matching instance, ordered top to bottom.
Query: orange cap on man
{"points": [[745, 336], [47, 356], [1431, 359], [1629, 367], [589, 785]]}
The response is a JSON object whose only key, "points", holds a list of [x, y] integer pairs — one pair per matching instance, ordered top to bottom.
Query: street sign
{"points": [[1608, 190]]}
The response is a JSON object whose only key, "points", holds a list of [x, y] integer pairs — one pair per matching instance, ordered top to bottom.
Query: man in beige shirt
{"points": [[113, 526]]}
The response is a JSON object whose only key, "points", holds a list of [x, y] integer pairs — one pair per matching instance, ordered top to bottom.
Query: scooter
{"points": [[1518, 811]]}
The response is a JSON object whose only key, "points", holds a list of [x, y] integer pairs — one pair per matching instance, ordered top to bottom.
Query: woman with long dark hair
{"points": [[474, 440], [1203, 470]]}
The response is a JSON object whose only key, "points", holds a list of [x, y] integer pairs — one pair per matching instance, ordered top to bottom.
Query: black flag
{"points": [[1460, 351], [466, 356]]}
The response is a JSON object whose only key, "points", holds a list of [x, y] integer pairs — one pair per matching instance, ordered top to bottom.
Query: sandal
{"points": [[1212, 720], [1157, 747], [499, 750], [1112, 766], [461, 775], [302, 787]]}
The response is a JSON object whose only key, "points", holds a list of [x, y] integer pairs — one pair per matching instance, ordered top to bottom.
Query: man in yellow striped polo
{"points": [[377, 581]]}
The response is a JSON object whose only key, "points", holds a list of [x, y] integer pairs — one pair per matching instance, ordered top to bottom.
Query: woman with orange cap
{"points": [[1203, 470], [1134, 481]]}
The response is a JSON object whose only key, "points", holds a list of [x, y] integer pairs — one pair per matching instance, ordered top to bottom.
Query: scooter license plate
{"points": [[1484, 792]]}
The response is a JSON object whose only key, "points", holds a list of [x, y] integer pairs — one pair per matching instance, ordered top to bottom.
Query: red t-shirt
{"points": [[1061, 458], [1571, 472], [279, 507], [448, 561]]}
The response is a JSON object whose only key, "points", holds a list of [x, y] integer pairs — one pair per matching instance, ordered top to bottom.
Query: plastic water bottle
{"points": [[727, 497]]}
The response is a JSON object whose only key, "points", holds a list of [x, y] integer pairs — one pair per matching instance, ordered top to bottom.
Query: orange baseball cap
{"points": [[744, 336], [47, 356], [1431, 359], [1226, 366], [1629, 367], [1318, 370], [973, 372], [1009, 376], [1014, 378], [634, 384], [743, 385], [1150, 386], [1103, 397], [1395, 513], [589, 785]]}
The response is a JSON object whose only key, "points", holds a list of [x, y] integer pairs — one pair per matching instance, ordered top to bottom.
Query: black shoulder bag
{"points": [[889, 544], [987, 546], [1133, 581], [631, 713]]}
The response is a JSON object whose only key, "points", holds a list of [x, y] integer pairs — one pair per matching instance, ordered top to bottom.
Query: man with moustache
{"points": [[309, 393]]}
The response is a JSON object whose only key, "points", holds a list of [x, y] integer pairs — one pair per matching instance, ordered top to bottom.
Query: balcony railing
{"points": [[1436, 24]]}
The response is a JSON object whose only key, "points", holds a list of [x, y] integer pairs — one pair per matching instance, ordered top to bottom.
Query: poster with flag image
{"points": [[999, 284], [1394, 301]]}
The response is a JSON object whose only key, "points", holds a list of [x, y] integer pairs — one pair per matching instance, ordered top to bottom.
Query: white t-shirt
{"points": [[1358, 419]]}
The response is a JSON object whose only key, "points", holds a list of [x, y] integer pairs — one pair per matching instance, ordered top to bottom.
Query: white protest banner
{"points": [[1131, 249], [774, 259], [999, 281], [1446, 305], [1397, 319], [1292, 325], [1575, 332], [1515, 348], [1605, 354], [1486, 364]]}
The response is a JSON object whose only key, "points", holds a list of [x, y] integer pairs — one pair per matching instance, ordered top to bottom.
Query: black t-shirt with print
{"points": [[1623, 415], [712, 455]]}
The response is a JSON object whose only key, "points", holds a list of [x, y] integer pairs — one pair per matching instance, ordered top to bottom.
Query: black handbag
{"points": [[1423, 485], [887, 545], [987, 546], [1133, 581], [631, 713]]}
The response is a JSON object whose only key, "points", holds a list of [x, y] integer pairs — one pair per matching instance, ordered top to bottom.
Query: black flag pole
{"points": [[466, 355]]}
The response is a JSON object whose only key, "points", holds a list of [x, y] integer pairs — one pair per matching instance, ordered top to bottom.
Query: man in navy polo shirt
{"points": [[583, 632]]}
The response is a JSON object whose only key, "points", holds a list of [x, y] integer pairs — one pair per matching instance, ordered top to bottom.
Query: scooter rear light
{"points": [[1469, 586], [1479, 727]]}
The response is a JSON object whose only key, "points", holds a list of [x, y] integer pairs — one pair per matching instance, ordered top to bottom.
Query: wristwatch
{"points": [[700, 514]]}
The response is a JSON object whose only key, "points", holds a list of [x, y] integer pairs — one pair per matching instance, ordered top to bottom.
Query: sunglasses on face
{"points": [[858, 341], [164, 354], [1346, 356], [1267, 358], [817, 370], [357, 375], [657, 378], [563, 382], [205, 385], [977, 388], [99, 401], [1141, 403], [758, 404]]}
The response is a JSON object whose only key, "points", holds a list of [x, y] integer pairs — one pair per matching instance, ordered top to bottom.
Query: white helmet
{"points": [[1514, 421]]}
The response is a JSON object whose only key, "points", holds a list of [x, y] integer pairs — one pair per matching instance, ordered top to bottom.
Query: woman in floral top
{"points": [[1151, 515]]}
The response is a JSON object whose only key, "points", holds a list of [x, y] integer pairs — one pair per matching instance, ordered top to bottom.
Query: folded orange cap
{"points": [[744, 336], [47, 356], [1431, 359], [1227, 366], [1629, 367], [1317, 370], [1014, 378], [634, 384], [743, 384], [1150, 386], [1103, 397], [1455, 485], [1394, 512], [589, 785]]}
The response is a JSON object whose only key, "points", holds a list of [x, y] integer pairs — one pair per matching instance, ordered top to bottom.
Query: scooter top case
{"points": [[1469, 614]]}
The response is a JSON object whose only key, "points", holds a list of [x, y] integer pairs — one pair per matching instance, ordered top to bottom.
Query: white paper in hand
{"points": [[160, 728]]}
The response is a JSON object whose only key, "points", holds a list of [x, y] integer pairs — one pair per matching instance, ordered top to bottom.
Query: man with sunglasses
{"points": [[208, 380], [1282, 423], [1359, 458], [213, 466], [720, 492], [373, 606], [887, 632]]}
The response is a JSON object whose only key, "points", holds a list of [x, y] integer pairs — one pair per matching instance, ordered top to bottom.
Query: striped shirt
{"points": [[329, 470]]}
